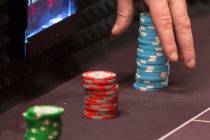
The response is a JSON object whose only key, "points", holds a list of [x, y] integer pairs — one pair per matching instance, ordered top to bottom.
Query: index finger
{"points": [[160, 13], [124, 16]]}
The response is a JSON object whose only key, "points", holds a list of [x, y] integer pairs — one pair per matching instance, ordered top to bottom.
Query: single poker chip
{"points": [[151, 61], [164, 66], [99, 75], [156, 75], [151, 77], [100, 82], [163, 82], [157, 85], [99, 87], [145, 89], [102, 93], [115, 94], [102, 97], [110, 98], [113, 100], [101, 105], [101, 108], [44, 111], [101, 112], [95, 113], [98, 117], [37, 134]]}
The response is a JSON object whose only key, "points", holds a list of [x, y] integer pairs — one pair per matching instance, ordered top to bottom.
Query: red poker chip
{"points": [[99, 75], [100, 82], [97, 87], [114, 88], [102, 93], [102, 96], [105, 97], [111, 100], [102, 101], [100, 105], [103, 105], [111, 106], [98, 109], [101, 109], [100, 112], [97, 117]]}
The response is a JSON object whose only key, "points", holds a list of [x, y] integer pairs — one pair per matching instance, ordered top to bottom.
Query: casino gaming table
{"points": [[179, 112]]}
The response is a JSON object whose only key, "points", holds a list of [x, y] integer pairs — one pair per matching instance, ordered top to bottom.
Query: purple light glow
{"points": [[45, 13]]}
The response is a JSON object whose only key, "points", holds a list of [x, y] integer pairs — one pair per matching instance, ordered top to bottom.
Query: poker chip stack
{"points": [[152, 64], [101, 95], [44, 123]]}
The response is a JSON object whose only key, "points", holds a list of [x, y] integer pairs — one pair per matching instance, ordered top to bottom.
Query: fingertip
{"points": [[118, 29], [115, 30], [174, 57], [191, 64]]}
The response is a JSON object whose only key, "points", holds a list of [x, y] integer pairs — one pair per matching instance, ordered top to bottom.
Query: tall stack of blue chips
{"points": [[153, 67]]}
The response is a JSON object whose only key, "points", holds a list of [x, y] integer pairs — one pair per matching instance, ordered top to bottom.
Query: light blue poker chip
{"points": [[146, 19], [148, 28], [148, 33], [147, 39], [154, 43], [151, 48], [149, 53], [141, 59], [146, 62], [153, 68], [148, 70], [159, 75], [152, 76], [162, 82], [153, 85], [139, 87]]}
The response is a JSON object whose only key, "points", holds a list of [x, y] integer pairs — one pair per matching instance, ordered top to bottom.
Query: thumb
{"points": [[125, 14]]}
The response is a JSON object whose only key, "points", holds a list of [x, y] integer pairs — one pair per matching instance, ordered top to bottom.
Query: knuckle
{"points": [[124, 13], [164, 22], [184, 23], [188, 48]]}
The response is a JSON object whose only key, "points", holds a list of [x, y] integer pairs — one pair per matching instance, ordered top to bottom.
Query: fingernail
{"points": [[174, 56], [191, 63]]}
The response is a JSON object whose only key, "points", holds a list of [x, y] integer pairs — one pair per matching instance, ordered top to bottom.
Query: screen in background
{"points": [[44, 13]]}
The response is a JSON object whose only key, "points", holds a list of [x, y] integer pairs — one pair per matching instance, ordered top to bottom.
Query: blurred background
{"points": [[37, 36]]}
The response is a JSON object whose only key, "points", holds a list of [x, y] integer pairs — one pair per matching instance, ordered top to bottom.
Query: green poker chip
{"points": [[41, 112], [44, 122], [42, 135]]}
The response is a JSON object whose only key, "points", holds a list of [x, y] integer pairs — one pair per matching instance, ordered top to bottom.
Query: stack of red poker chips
{"points": [[101, 95]]}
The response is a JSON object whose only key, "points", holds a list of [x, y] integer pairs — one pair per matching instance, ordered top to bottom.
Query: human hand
{"points": [[170, 18]]}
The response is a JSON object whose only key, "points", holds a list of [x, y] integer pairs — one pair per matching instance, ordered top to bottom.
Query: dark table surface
{"points": [[143, 116]]}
